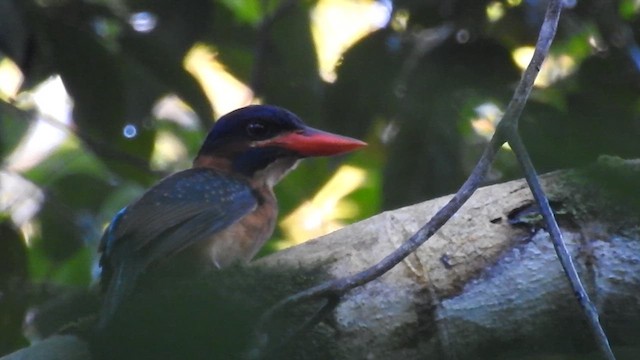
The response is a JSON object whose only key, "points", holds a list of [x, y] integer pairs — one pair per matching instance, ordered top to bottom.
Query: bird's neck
{"points": [[221, 164], [267, 176]]}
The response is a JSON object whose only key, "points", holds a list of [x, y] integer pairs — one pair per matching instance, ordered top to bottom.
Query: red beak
{"points": [[313, 142]]}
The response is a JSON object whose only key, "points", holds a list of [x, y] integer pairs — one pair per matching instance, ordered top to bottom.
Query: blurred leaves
{"points": [[248, 11], [286, 69], [410, 88], [13, 127], [427, 151], [69, 223], [13, 277]]}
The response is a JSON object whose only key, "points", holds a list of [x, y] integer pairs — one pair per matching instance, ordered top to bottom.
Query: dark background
{"points": [[411, 89]]}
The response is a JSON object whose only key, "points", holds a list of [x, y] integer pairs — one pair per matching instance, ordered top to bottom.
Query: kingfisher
{"points": [[217, 213]]}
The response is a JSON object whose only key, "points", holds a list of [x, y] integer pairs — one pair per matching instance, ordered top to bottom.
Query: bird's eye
{"points": [[257, 130]]}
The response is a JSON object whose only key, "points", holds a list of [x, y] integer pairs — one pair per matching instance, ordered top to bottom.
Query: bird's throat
{"points": [[275, 171]]}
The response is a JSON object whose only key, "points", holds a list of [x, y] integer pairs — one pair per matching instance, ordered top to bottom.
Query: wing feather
{"points": [[179, 211]]}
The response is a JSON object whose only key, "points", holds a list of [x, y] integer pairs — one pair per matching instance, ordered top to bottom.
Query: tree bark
{"points": [[488, 285]]}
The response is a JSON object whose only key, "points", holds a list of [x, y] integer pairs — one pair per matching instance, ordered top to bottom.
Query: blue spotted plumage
{"points": [[204, 200]]}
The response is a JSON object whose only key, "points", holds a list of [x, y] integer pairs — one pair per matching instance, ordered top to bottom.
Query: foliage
{"points": [[416, 88]]}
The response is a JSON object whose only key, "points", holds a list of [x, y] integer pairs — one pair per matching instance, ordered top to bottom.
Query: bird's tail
{"points": [[121, 285]]}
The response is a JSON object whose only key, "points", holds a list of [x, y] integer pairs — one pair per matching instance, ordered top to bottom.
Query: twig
{"points": [[510, 119], [507, 131], [510, 131], [337, 288], [579, 291]]}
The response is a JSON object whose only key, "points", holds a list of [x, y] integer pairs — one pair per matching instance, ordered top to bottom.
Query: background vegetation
{"points": [[101, 98]]}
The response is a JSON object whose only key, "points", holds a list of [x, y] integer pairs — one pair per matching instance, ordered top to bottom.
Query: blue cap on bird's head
{"points": [[254, 122], [252, 137]]}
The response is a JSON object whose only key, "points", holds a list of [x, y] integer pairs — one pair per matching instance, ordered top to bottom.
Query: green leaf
{"points": [[247, 11], [14, 124]]}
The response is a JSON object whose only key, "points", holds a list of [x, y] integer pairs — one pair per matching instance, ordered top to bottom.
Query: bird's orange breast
{"points": [[241, 241]]}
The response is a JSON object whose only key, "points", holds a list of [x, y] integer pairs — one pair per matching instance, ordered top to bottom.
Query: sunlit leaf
{"points": [[249, 11]]}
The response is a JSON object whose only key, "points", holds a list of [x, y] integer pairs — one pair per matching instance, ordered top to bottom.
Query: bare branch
{"points": [[509, 126], [507, 131]]}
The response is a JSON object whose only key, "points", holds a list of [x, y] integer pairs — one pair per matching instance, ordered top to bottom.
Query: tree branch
{"points": [[510, 129], [507, 131], [487, 285]]}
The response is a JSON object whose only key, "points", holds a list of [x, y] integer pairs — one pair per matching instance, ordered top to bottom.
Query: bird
{"points": [[217, 213]]}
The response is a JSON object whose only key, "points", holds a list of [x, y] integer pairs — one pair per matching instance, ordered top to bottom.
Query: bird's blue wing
{"points": [[183, 209], [180, 210]]}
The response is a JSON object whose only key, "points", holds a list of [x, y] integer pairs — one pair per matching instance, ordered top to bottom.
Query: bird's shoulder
{"points": [[198, 184]]}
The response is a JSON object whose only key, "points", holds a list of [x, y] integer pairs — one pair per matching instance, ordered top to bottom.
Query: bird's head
{"points": [[266, 140]]}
